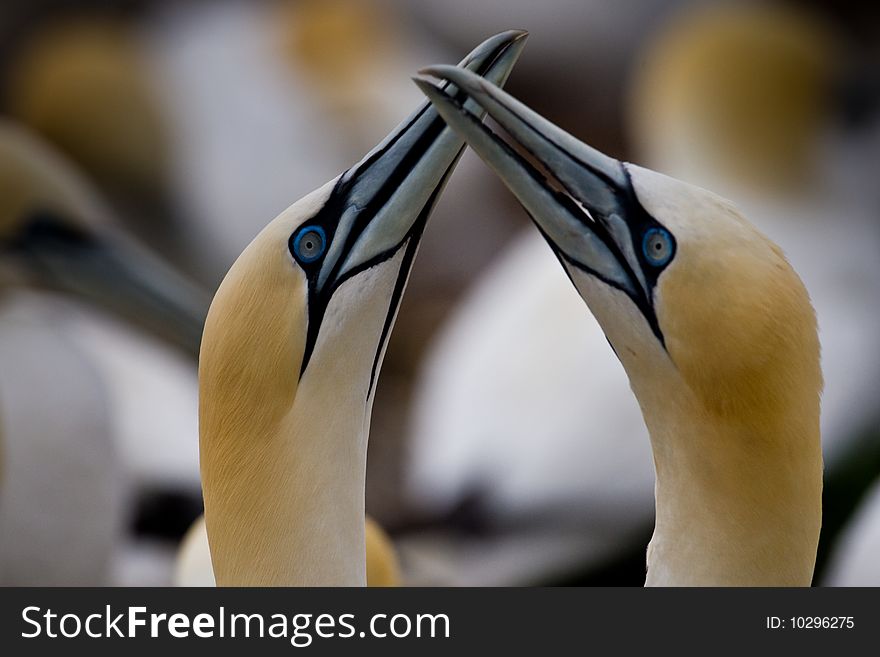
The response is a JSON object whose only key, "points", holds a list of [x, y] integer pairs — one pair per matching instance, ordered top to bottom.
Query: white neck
{"points": [[736, 505]]}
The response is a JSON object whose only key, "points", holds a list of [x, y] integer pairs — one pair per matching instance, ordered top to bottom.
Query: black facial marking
{"points": [[328, 219], [640, 221], [46, 227], [47, 241], [411, 248]]}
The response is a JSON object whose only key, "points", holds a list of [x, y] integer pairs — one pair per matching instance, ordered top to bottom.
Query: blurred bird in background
{"points": [[84, 81], [196, 121], [86, 413], [854, 558]]}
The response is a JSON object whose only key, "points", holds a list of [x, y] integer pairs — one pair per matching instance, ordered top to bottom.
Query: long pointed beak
{"points": [[397, 182], [382, 203], [589, 213], [115, 273]]}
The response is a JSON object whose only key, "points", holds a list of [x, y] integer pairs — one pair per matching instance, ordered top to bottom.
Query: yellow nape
{"points": [[736, 318], [275, 447], [193, 567]]}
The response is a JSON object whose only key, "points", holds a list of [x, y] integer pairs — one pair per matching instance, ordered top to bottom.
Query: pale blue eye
{"points": [[309, 244], [657, 246]]}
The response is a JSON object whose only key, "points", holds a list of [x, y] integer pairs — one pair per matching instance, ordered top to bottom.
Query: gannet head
{"points": [[327, 275], [690, 295], [714, 329], [293, 344]]}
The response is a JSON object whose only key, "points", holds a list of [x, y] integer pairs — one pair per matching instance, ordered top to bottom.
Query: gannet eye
{"points": [[308, 244], [657, 246]]}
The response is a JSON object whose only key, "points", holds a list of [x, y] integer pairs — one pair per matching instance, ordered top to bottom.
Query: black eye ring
{"points": [[309, 244], [657, 246]]}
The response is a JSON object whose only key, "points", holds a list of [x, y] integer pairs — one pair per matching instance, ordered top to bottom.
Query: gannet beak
{"points": [[392, 190], [381, 204], [589, 213], [114, 272]]}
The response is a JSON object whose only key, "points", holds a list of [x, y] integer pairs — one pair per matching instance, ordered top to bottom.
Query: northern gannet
{"points": [[85, 82], [713, 327], [293, 344]]}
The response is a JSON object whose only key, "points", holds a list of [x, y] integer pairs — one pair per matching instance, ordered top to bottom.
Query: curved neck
{"points": [[283, 455], [284, 490], [737, 503], [292, 512]]}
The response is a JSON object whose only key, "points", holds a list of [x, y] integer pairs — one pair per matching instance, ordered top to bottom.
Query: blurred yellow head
{"points": [[84, 85], [738, 90]]}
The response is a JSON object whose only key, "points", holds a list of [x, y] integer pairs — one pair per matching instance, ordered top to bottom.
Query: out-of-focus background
{"points": [[506, 447]]}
